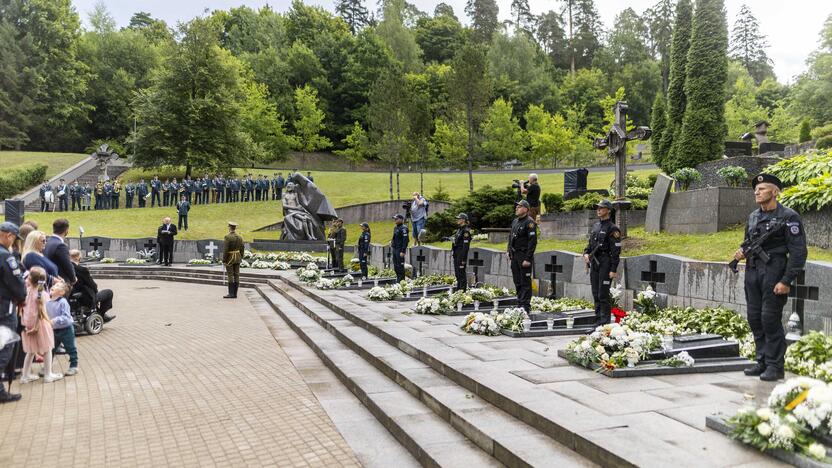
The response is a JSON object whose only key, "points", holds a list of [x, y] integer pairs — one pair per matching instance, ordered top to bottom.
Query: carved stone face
{"points": [[290, 187]]}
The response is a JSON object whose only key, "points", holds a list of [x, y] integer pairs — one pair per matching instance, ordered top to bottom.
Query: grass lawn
{"points": [[56, 162]]}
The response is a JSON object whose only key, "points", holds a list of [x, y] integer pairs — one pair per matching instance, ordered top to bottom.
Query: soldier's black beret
{"points": [[767, 178]]}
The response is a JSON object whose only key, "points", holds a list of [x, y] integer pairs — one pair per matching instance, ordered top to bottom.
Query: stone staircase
{"points": [[88, 177], [449, 409]]}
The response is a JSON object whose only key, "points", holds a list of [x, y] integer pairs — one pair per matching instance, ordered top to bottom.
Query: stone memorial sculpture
{"points": [[102, 157], [305, 209]]}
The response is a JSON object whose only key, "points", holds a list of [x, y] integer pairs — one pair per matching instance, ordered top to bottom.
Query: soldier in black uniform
{"points": [[337, 238], [521, 245], [398, 246], [364, 249], [459, 251], [602, 255], [767, 284], [12, 293]]}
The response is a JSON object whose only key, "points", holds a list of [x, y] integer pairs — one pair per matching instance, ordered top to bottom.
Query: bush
{"points": [[805, 131], [823, 131], [824, 142], [803, 167], [686, 176], [736, 176], [651, 180], [16, 181], [635, 181], [638, 193], [440, 194], [811, 195], [552, 201], [586, 201], [638, 204], [486, 207]]}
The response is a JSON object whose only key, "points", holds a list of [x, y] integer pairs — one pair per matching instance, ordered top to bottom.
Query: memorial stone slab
{"points": [[656, 203], [101, 244], [211, 247], [121, 249], [185, 250], [419, 260], [479, 263], [553, 269], [659, 271], [817, 313]]}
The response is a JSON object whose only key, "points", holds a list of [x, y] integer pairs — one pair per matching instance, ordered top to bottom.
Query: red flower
{"points": [[619, 314]]}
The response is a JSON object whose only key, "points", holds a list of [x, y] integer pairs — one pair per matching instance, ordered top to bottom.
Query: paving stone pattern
{"points": [[179, 379]]}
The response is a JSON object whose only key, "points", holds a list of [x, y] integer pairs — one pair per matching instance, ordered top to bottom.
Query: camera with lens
{"points": [[517, 182], [406, 208]]}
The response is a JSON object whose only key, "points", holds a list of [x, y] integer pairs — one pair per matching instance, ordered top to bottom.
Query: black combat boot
{"points": [[234, 292], [231, 294], [755, 371], [772, 374]]}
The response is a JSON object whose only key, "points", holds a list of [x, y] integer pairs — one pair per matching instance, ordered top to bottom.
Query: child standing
{"points": [[62, 324], [37, 334]]}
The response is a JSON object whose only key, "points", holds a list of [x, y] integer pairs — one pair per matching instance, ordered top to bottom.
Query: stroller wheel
{"points": [[94, 323]]}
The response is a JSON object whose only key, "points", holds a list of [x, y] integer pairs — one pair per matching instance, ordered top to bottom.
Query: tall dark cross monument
{"points": [[616, 144]]}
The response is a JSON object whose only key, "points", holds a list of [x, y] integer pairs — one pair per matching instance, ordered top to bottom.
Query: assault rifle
{"points": [[754, 248], [592, 256]]}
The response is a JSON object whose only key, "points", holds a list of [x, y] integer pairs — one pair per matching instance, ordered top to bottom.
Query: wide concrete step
{"points": [[431, 440], [509, 440]]}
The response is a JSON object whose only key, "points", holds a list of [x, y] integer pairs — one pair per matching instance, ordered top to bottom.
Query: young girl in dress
{"points": [[37, 335]]}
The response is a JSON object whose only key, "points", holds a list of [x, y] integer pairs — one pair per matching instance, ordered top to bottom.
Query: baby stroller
{"points": [[87, 319]]}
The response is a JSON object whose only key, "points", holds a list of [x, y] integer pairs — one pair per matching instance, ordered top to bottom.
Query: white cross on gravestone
{"points": [[616, 144], [211, 248]]}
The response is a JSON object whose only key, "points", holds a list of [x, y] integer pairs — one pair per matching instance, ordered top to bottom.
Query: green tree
{"points": [[354, 13], [522, 17], [100, 18], [659, 19], [484, 21], [155, 30], [584, 30], [49, 31], [439, 37], [399, 38], [552, 38], [628, 39], [748, 45], [368, 58], [520, 74], [16, 83], [813, 90], [470, 91], [582, 92], [676, 97], [742, 110], [191, 115], [309, 122], [658, 123], [390, 124], [262, 125], [703, 127], [805, 131], [548, 136], [503, 139], [449, 141], [357, 146]]}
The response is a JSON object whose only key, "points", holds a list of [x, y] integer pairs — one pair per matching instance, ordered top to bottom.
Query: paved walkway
{"points": [[179, 379]]}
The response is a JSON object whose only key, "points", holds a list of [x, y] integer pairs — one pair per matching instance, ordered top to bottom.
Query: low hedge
{"points": [[17, 181]]}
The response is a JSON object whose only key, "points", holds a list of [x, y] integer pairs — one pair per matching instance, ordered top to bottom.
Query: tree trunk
{"points": [[571, 38], [470, 119], [188, 170], [422, 180], [391, 181], [398, 182]]}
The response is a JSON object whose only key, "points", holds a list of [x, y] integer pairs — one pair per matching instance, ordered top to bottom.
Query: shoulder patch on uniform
{"points": [[531, 225], [795, 229], [616, 234], [466, 235], [12, 262]]}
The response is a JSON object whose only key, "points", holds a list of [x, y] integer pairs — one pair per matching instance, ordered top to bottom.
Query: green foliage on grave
{"points": [[802, 167], [686, 176], [736, 176], [16, 181], [552, 201], [586, 201], [810, 356]]}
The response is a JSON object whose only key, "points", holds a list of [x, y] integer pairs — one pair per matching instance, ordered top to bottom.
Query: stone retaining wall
{"points": [[752, 164], [706, 210], [575, 225], [818, 226]]}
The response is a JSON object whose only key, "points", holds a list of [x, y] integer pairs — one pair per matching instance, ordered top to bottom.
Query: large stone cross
{"points": [[616, 144], [103, 155], [95, 244], [211, 248], [652, 275]]}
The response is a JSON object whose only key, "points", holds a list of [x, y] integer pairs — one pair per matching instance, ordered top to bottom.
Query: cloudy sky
{"points": [[792, 27]]}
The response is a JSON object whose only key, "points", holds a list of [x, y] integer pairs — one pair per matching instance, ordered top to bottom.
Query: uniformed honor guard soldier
{"points": [[337, 238], [522, 243], [398, 246], [364, 249], [459, 251], [775, 252], [232, 256], [601, 256], [12, 293]]}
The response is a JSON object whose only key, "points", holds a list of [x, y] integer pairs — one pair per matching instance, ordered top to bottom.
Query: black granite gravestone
{"points": [[477, 263], [553, 268], [652, 276], [799, 293]]}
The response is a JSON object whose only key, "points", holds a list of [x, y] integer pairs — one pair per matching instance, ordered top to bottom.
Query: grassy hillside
{"points": [[55, 162]]}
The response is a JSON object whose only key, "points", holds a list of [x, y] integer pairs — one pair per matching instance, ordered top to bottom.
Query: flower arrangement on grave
{"points": [[479, 237], [94, 254], [146, 254], [300, 257], [107, 260], [135, 261], [199, 261], [245, 264], [355, 264], [261, 265], [279, 265], [408, 270], [310, 273], [434, 280], [325, 283], [378, 293], [616, 293], [481, 294], [460, 297], [645, 301], [562, 304], [431, 306], [512, 318], [674, 321], [478, 323], [612, 346], [811, 356], [682, 359], [795, 419]]}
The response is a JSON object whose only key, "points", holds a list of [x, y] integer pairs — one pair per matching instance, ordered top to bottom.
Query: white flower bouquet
{"points": [[107, 260], [135, 261], [199, 261], [245, 264], [278, 265], [325, 283], [378, 293], [616, 293], [481, 294], [429, 306], [512, 318], [479, 323], [611, 346], [682, 359], [797, 414]]}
